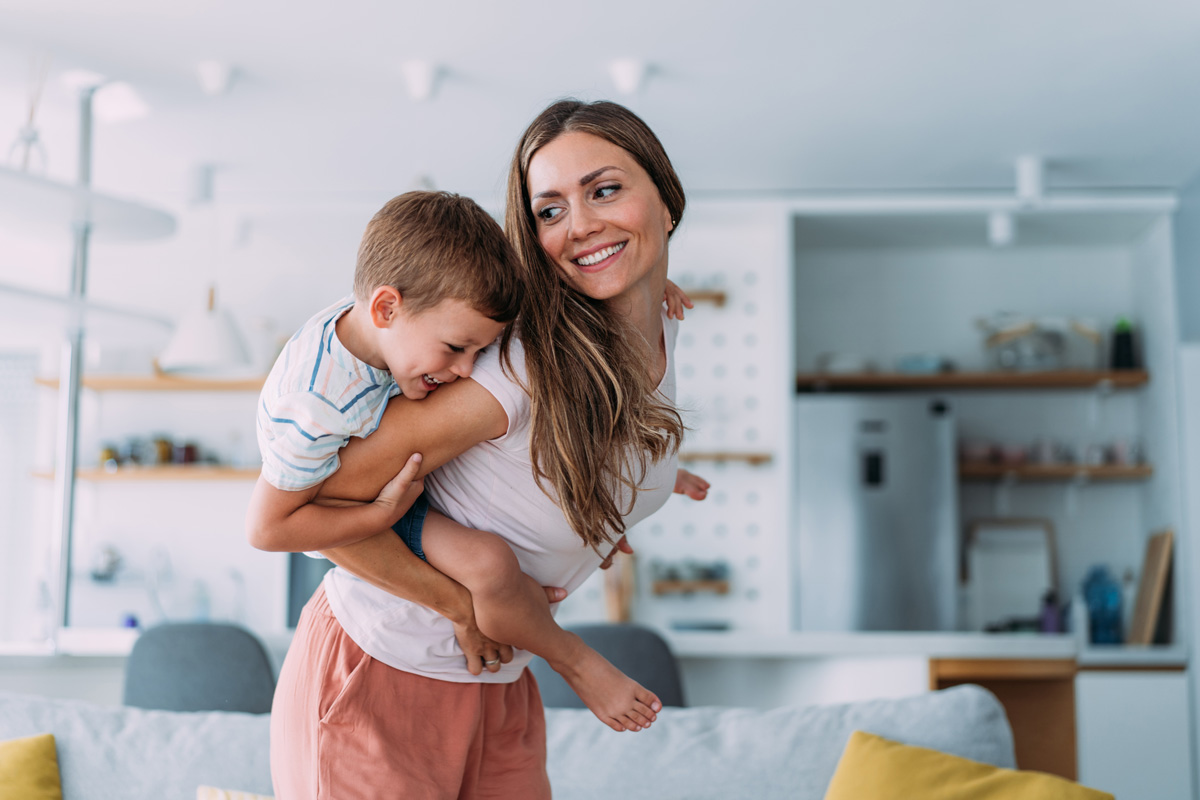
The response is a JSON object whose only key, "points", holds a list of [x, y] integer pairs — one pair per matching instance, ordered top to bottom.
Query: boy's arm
{"points": [[289, 521]]}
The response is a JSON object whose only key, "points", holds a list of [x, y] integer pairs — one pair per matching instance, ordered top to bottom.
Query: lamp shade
{"points": [[204, 343]]}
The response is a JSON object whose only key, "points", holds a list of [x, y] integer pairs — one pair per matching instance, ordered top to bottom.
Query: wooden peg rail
{"points": [[715, 296], [754, 459]]}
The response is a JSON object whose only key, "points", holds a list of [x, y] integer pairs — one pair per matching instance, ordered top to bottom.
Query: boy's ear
{"points": [[385, 305]]}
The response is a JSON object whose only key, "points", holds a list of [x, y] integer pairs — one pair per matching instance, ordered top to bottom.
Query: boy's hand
{"points": [[676, 301], [693, 486], [398, 495], [622, 545]]}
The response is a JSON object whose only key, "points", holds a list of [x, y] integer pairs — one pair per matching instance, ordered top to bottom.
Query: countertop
{"points": [[745, 644]]}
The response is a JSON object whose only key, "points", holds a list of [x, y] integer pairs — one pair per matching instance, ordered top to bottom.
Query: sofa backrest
{"points": [[728, 753]]}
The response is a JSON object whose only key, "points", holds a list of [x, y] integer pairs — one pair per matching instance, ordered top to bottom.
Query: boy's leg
{"points": [[511, 607]]}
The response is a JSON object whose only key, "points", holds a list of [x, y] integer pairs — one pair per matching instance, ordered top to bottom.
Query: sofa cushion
{"points": [[123, 753], [781, 754], [29, 769], [881, 769]]}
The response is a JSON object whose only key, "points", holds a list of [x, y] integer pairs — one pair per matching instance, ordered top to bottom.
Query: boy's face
{"points": [[436, 346]]}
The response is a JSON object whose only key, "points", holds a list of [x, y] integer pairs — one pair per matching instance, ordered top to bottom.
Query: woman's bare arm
{"points": [[450, 421]]}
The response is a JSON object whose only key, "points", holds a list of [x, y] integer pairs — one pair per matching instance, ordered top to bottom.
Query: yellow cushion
{"points": [[29, 769], [880, 769], [210, 793]]}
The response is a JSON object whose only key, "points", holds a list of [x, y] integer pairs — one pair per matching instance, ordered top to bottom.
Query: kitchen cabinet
{"points": [[1135, 737]]}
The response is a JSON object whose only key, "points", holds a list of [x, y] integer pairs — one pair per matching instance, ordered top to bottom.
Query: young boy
{"points": [[435, 283]]}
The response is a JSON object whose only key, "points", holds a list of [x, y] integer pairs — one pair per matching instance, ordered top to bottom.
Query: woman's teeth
{"points": [[599, 255], [431, 379]]}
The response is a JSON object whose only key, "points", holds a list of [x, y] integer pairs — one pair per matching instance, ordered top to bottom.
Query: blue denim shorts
{"points": [[409, 527]]}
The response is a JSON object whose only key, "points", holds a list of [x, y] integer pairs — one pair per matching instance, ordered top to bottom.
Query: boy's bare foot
{"points": [[617, 700]]}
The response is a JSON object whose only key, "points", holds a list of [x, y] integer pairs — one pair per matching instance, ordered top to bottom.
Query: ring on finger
{"points": [[493, 662]]}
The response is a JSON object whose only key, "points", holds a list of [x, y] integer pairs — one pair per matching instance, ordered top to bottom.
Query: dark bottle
{"points": [[1123, 356]]}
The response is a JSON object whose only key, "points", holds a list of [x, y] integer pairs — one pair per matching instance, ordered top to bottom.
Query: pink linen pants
{"points": [[345, 726]]}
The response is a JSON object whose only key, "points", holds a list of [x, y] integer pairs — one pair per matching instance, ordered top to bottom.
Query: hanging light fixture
{"points": [[205, 343]]}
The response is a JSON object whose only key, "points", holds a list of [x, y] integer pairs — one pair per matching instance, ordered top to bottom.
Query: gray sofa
{"points": [[129, 753]]}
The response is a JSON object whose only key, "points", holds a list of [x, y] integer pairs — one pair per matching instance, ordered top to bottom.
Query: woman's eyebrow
{"points": [[591, 176], [584, 181]]}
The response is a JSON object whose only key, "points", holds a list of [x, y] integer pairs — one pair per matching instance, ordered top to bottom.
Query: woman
{"points": [[558, 445]]}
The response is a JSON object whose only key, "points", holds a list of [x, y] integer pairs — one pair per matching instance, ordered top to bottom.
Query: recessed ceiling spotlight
{"points": [[628, 74], [216, 77], [420, 78], [1030, 178], [1002, 229]]}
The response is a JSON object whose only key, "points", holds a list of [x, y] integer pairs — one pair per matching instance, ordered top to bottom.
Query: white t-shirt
{"points": [[489, 487]]}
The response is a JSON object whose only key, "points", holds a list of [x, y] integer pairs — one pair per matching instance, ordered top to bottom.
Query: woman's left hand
{"points": [[690, 484]]}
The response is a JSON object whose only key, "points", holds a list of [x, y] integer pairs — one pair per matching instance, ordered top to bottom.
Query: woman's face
{"points": [[599, 217]]}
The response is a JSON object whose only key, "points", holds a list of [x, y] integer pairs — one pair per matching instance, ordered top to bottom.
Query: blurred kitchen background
{"points": [[943, 370]]}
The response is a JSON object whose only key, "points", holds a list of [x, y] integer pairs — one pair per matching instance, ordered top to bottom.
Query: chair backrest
{"points": [[637, 651], [199, 666]]}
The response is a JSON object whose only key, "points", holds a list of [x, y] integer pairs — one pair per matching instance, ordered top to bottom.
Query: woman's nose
{"points": [[584, 222]]}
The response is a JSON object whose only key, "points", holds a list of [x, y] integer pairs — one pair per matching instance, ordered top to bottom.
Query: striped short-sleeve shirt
{"points": [[316, 397]]}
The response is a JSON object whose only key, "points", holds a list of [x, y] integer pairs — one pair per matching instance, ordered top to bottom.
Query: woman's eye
{"points": [[606, 191], [548, 213], [456, 349]]}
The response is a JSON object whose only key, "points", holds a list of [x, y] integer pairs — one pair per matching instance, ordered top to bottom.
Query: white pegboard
{"points": [[733, 369]]}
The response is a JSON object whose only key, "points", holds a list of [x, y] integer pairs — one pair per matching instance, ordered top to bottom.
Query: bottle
{"points": [[1122, 346], [1103, 593], [1050, 620]]}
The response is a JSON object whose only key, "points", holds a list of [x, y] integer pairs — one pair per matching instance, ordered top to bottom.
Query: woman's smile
{"points": [[599, 258]]}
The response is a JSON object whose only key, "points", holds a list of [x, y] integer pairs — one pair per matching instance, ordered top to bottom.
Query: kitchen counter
{"points": [[797, 645]]}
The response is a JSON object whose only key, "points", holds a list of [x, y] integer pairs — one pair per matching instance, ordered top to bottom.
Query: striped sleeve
{"points": [[299, 436]]}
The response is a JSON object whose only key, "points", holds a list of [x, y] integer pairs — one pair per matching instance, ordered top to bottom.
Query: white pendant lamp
{"points": [[205, 343]]}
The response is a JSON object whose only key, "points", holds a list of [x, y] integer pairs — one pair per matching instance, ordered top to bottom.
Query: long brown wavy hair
{"points": [[598, 421]]}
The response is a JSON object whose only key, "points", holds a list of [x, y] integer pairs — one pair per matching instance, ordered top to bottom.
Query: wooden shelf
{"points": [[1058, 379], [162, 383], [754, 459], [166, 472], [1053, 472], [690, 587]]}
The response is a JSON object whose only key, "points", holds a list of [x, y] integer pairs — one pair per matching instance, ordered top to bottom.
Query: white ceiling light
{"points": [[628, 74], [215, 76], [420, 77], [1030, 179], [1002, 229], [205, 342]]}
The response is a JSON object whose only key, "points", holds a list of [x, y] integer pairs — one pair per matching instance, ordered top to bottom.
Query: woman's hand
{"points": [[692, 485], [482, 652]]}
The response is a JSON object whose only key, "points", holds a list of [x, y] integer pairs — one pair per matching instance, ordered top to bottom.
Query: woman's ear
{"points": [[385, 305]]}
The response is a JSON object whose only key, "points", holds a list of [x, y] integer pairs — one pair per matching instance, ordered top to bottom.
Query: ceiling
{"points": [[749, 97]]}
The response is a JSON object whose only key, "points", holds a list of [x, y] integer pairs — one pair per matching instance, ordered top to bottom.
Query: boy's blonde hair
{"points": [[433, 246]]}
